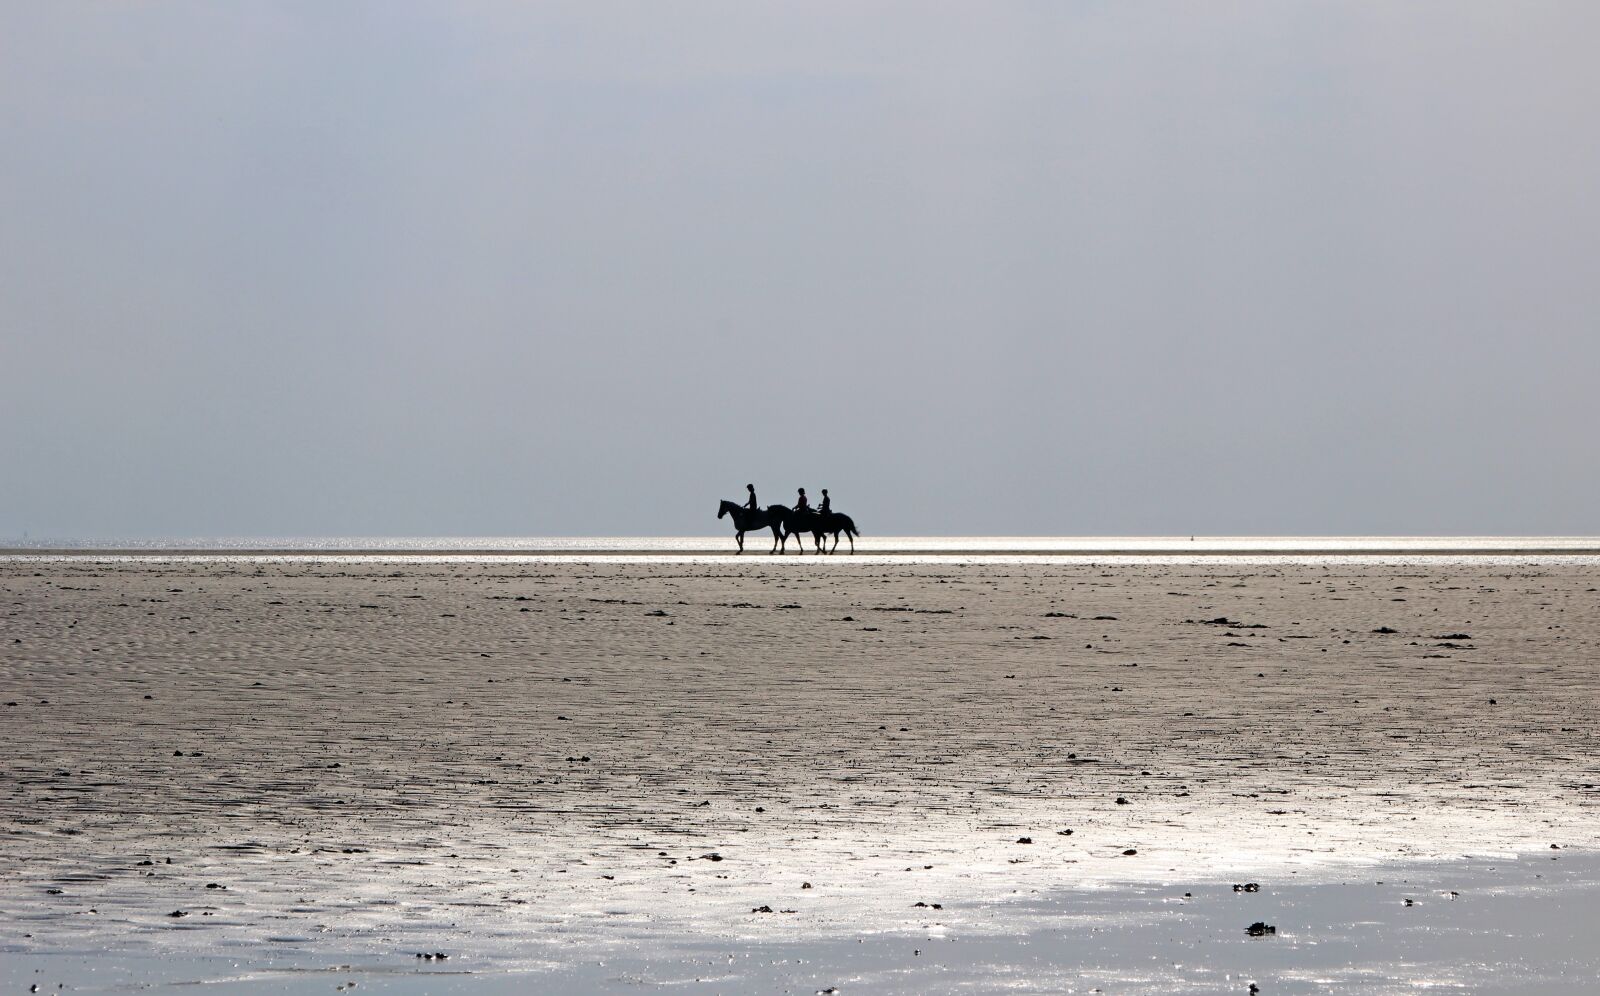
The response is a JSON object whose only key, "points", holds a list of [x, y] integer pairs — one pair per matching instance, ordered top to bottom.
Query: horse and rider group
{"points": [[786, 522]]}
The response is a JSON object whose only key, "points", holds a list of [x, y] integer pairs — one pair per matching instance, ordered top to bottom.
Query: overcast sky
{"points": [[1032, 268]]}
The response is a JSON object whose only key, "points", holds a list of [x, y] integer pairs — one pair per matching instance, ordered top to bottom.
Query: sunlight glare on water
{"points": [[937, 545]]}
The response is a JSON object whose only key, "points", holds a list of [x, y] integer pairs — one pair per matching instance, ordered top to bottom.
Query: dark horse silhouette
{"points": [[748, 519], [799, 521], [796, 522], [836, 523]]}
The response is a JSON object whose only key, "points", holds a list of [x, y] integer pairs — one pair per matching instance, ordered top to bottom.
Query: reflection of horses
{"points": [[746, 519], [818, 524]]}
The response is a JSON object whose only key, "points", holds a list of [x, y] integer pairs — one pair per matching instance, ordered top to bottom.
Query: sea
{"points": [[1109, 549]]}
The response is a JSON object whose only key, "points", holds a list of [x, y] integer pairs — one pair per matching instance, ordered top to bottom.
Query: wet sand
{"points": [[523, 762], [1478, 926]]}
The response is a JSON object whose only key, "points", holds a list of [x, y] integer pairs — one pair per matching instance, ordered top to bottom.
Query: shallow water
{"points": [[722, 541], [1108, 551], [1488, 925]]}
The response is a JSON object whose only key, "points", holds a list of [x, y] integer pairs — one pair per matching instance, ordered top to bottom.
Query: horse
{"points": [[753, 518], [796, 522], [836, 523], [818, 524]]}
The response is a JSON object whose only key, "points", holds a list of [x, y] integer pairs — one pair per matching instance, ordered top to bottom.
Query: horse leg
{"points": [[739, 536], [774, 540]]}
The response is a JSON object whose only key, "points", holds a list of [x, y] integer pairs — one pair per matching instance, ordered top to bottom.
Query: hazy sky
{"points": [[1039, 268]]}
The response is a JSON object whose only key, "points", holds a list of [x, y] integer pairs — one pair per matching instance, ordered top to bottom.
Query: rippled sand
{"points": [[515, 758]]}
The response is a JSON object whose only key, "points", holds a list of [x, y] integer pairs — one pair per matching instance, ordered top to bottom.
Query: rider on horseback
{"points": [[802, 503], [751, 504], [824, 508]]}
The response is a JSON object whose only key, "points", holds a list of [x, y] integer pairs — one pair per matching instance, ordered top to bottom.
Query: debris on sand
{"points": [[1260, 929]]}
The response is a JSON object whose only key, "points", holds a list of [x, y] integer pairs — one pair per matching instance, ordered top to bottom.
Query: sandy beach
{"points": [[522, 762]]}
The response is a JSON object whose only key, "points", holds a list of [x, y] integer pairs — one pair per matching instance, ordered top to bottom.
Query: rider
{"points": [[802, 503], [751, 504], [824, 507]]}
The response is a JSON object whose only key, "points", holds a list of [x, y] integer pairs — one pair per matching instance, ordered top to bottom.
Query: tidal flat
{"points": [[722, 775]]}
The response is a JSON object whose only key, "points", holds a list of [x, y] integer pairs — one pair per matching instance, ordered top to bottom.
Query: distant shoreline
{"points": [[759, 544], [568, 553]]}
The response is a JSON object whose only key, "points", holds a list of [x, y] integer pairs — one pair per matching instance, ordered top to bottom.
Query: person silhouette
{"points": [[802, 503], [751, 504], [826, 506]]}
